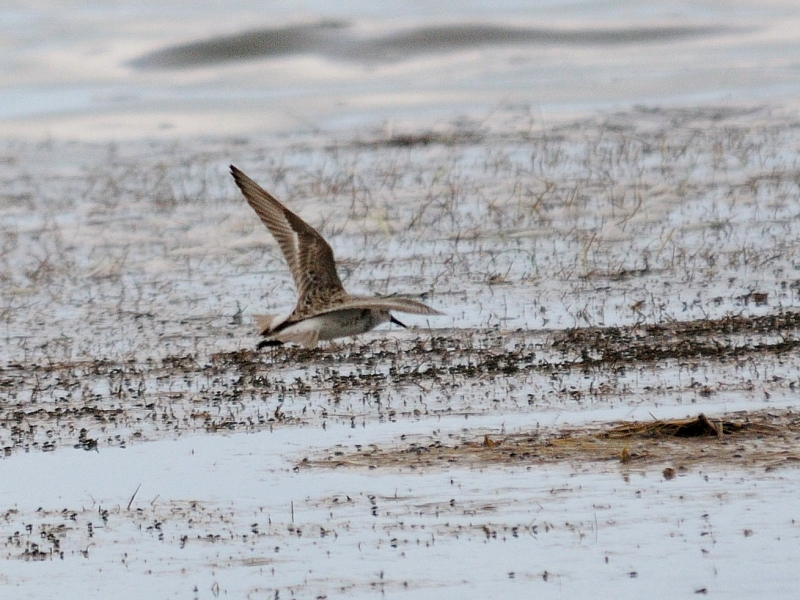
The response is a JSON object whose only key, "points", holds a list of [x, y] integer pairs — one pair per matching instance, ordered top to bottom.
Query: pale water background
{"points": [[69, 69], [126, 266]]}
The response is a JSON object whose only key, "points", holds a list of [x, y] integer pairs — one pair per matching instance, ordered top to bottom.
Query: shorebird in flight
{"points": [[324, 310]]}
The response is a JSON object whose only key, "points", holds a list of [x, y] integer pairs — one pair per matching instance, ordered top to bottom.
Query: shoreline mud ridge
{"points": [[744, 440]]}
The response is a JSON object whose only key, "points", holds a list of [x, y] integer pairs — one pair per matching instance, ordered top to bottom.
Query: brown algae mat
{"points": [[765, 439]]}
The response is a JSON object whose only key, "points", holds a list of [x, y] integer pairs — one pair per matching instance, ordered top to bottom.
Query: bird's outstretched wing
{"points": [[308, 255], [395, 303]]}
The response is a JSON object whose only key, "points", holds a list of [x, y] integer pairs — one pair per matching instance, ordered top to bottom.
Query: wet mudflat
{"points": [[601, 279]]}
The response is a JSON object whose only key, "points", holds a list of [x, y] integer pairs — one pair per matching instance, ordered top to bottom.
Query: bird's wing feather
{"points": [[308, 255], [395, 303]]}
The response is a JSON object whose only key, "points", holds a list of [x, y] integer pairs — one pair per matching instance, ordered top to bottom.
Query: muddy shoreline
{"points": [[61, 411]]}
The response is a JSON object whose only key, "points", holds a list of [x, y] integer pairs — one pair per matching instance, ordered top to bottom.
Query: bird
{"points": [[324, 310]]}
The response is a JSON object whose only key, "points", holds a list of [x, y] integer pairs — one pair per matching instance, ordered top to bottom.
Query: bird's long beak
{"points": [[396, 322]]}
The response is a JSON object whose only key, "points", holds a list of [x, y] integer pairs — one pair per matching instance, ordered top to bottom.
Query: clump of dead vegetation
{"points": [[724, 338], [767, 439]]}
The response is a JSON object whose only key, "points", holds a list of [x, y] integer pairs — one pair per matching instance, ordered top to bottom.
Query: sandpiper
{"points": [[324, 310]]}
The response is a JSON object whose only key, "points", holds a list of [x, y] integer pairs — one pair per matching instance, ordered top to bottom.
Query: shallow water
{"points": [[87, 71], [612, 266], [631, 266], [227, 515]]}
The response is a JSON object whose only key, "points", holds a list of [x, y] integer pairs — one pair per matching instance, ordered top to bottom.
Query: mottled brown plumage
{"points": [[322, 302]]}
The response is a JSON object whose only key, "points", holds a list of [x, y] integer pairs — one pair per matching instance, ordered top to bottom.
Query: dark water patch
{"points": [[458, 37], [333, 40], [262, 43], [428, 138]]}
